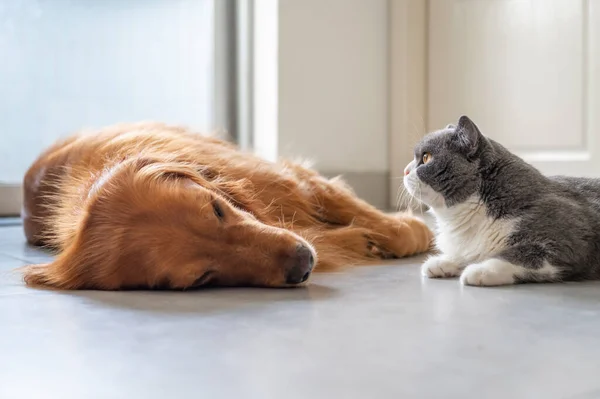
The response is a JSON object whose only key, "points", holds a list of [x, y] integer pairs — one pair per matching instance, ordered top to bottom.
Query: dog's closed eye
{"points": [[218, 210]]}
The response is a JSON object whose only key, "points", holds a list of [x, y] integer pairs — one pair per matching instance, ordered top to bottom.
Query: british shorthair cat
{"points": [[499, 220]]}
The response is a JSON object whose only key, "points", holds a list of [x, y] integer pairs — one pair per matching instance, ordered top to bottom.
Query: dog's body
{"points": [[149, 205]]}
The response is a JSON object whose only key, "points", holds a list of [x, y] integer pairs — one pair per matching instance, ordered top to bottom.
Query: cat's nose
{"points": [[406, 171]]}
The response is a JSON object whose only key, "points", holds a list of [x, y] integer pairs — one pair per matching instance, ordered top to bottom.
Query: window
{"points": [[69, 65]]}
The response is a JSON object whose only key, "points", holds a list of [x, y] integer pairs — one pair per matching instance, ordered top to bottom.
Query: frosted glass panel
{"points": [[66, 64]]}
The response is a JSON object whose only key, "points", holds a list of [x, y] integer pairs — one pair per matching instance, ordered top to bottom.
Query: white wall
{"points": [[333, 83]]}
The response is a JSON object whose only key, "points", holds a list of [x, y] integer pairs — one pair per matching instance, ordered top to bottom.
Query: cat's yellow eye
{"points": [[426, 157]]}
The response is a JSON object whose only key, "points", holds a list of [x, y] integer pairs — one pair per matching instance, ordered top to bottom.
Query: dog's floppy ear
{"points": [[151, 169], [235, 191], [67, 271], [51, 275]]}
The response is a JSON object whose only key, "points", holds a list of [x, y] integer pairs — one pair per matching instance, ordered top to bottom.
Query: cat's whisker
{"points": [[399, 195], [420, 195], [414, 198], [403, 199], [406, 199], [410, 199]]}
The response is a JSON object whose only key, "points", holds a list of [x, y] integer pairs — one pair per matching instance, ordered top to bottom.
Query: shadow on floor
{"points": [[205, 300]]}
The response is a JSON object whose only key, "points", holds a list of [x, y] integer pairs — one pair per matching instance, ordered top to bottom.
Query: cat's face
{"points": [[444, 171]]}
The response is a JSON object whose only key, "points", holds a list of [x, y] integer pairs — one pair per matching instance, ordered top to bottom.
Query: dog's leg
{"points": [[401, 234], [343, 246]]}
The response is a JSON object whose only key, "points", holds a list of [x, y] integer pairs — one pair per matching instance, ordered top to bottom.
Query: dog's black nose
{"points": [[300, 265]]}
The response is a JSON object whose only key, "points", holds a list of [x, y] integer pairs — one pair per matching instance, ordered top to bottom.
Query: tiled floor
{"points": [[370, 332]]}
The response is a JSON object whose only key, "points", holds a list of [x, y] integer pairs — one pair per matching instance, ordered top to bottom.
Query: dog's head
{"points": [[156, 224]]}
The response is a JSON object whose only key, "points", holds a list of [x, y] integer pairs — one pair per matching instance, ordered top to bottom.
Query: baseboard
{"points": [[372, 187], [11, 197]]}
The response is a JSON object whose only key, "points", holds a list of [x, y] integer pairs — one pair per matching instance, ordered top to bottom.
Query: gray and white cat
{"points": [[499, 220]]}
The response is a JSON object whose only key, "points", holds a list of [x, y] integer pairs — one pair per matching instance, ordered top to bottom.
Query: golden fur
{"points": [[154, 206]]}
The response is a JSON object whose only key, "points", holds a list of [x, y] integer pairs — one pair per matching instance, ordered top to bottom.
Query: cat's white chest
{"points": [[465, 232]]}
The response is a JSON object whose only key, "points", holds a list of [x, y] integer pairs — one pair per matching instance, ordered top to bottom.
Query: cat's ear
{"points": [[468, 132]]}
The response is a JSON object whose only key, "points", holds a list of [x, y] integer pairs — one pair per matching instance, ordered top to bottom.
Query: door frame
{"points": [[408, 86]]}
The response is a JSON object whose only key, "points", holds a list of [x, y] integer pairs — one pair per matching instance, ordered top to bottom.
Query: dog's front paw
{"points": [[407, 235], [375, 250], [440, 267], [492, 272]]}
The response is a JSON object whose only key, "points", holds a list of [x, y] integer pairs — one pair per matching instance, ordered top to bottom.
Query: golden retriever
{"points": [[154, 206]]}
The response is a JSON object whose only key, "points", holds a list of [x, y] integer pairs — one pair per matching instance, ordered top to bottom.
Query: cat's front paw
{"points": [[440, 267], [492, 272]]}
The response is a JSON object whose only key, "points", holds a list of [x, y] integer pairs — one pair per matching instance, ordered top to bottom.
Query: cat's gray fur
{"points": [[556, 219]]}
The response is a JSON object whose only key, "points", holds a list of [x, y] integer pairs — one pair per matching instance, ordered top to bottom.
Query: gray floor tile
{"points": [[10, 235], [12, 243], [369, 332]]}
